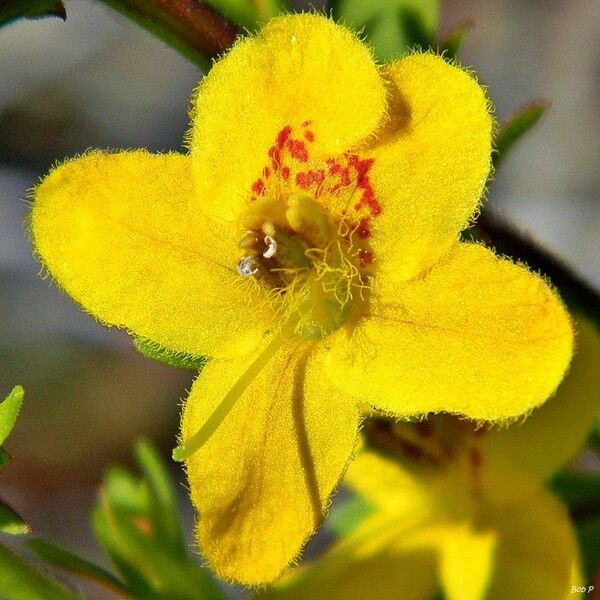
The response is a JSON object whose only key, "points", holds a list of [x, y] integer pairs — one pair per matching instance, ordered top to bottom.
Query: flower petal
{"points": [[298, 69], [431, 162], [117, 233], [477, 335], [566, 419], [262, 481], [388, 486], [536, 552], [467, 557], [371, 564]]}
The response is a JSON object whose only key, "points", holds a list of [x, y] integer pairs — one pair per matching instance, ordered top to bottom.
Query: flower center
{"points": [[306, 232], [305, 236], [296, 248]]}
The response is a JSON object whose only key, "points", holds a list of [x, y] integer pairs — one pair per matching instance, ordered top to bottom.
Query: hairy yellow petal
{"points": [[298, 69], [431, 163], [117, 233], [476, 335], [564, 421], [262, 481], [370, 564]]}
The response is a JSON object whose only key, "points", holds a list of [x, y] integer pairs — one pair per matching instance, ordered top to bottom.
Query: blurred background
{"points": [[98, 81]]}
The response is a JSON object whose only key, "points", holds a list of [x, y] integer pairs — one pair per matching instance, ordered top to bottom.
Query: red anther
{"points": [[363, 230], [365, 257]]}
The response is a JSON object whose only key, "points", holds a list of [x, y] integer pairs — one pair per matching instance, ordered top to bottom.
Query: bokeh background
{"points": [[98, 81]]}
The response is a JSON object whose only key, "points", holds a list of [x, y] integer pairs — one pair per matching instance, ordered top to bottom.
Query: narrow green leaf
{"points": [[11, 10], [390, 26], [415, 30], [452, 44], [515, 127], [168, 357], [9, 410], [164, 504], [346, 516], [11, 522], [138, 525], [76, 565], [164, 575], [20, 581], [137, 582]]}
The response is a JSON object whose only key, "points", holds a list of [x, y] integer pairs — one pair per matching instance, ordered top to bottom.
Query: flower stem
{"points": [[192, 27]]}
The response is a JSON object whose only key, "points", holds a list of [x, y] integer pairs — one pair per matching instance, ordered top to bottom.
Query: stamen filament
{"points": [[203, 434]]}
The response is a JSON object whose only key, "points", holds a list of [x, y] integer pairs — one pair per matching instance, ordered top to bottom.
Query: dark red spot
{"points": [[306, 123], [283, 136], [310, 136], [298, 150], [285, 172], [309, 178], [258, 187], [363, 230], [365, 257]]}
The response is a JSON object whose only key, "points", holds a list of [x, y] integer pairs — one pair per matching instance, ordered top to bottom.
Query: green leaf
{"points": [[11, 10], [250, 13], [390, 26], [452, 44], [515, 127], [168, 357], [9, 410], [594, 440], [4, 457], [580, 491], [164, 511], [345, 517], [11, 522], [138, 525], [588, 537], [76, 565], [20, 581]]}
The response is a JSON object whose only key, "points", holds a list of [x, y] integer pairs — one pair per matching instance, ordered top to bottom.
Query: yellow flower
{"points": [[308, 244], [463, 508]]}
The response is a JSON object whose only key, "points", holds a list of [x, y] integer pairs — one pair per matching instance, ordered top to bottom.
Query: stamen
{"points": [[271, 244], [247, 266], [239, 387]]}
